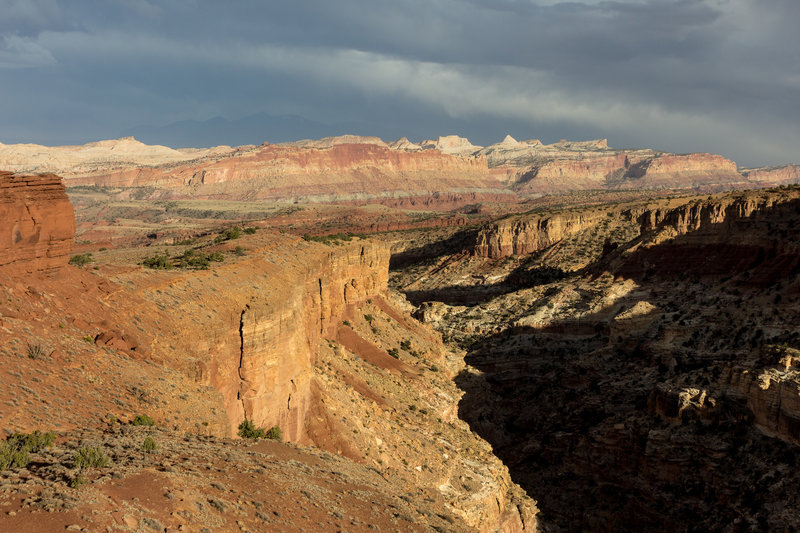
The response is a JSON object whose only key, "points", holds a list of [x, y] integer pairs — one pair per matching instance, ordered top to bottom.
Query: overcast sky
{"points": [[720, 76]]}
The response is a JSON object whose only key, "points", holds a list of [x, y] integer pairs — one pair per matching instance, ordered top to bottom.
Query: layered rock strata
{"points": [[38, 223]]}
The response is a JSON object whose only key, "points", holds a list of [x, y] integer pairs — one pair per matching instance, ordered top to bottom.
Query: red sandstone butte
{"points": [[37, 221]]}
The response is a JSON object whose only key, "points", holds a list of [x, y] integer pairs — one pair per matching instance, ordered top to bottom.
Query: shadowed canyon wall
{"points": [[656, 387]]}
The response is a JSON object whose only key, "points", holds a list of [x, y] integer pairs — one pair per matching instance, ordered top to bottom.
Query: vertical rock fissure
{"points": [[321, 309], [242, 381]]}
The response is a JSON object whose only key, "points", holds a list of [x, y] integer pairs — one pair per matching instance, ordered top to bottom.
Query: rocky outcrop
{"points": [[405, 145], [451, 145], [531, 167], [772, 176], [718, 216], [38, 223], [520, 235], [279, 338], [260, 349]]}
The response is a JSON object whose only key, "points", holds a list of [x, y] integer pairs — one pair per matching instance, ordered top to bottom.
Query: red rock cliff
{"points": [[342, 172], [38, 223]]}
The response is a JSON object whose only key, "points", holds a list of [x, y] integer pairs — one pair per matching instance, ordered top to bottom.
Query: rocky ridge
{"points": [[360, 169]]}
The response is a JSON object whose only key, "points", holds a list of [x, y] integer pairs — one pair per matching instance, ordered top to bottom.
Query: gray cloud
{"points": [[685, 75]]}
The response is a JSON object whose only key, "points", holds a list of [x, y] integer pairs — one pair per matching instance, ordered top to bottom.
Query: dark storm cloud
{"points": [[681, 75]]}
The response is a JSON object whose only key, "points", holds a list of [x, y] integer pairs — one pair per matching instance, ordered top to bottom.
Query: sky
{"points": [[719, 76]]}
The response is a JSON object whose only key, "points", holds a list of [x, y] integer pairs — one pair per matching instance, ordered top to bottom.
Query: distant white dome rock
{"points": [[404, 145], [452, 145]]}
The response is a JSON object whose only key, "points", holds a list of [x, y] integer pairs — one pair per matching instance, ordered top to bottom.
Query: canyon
{"points": [[519, 337], [633, 365]]}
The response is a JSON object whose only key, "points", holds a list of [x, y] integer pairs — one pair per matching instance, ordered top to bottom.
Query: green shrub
{"points": [[250, 230], [232, 233], [239, 251], [81, 259], [199, 261], [157, 262], [369, 318], [405, 345], [36, 351], [394, 353], [143, 420], [248, 430], [275, 433], [32, 442], [148, 446], [15, 450], [11, 457], [90, 457]]}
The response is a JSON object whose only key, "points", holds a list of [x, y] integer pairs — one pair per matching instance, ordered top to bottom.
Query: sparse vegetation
{"points": [[332, 239], [81, 259], [191, 259], [157, 262], [36, 351], [143, 420], [248, 430], [275, 433], [149, 445], [15, 450], [90, 457]]}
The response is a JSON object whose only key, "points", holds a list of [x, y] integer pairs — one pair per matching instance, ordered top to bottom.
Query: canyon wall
{"points": [[613, 169], [339, 173], [771, 176], [695, 218], [38, 223], [520, 235], [252, 330], [297, 334], [279, 336]]}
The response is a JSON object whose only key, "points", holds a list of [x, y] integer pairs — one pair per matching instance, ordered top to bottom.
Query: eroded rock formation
{"points": [[38, 223], [628, 372]]}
